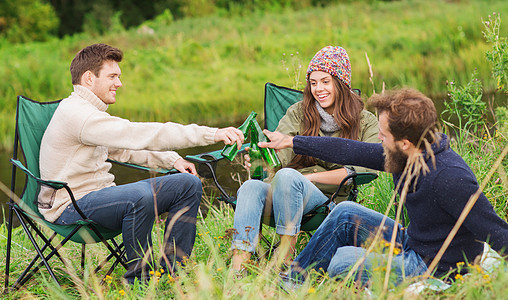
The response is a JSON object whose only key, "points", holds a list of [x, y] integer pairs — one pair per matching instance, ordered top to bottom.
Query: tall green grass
{"points": [[211, 70], [206, 274]]}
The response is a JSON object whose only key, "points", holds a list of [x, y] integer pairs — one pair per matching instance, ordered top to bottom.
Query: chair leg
{"points": [[216, 181], [11, 216], [9, 243], [272, 246], [114, 252], [110, 256], [83, 258], [44, 259], [113, 266], [25, 276]]}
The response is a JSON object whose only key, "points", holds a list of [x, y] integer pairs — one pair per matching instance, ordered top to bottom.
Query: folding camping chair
{"points": [[277, 100], [32, 119]]}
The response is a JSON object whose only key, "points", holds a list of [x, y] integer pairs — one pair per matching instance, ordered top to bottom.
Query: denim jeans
{"points": [[287, 198], [133, 208], [337, 245]]}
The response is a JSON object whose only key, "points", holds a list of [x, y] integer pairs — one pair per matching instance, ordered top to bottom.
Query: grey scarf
{"points": [[328, 124]]}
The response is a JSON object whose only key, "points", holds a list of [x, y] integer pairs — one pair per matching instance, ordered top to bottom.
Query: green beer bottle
{"points": [[230, 151], [268, 154], [256, 159]]}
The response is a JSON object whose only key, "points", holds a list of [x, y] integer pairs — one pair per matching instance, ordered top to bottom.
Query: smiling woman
{"points": [[323, 90], [329, 108]]}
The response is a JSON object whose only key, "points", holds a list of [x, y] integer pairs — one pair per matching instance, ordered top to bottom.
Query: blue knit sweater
{"points": [[433, 205]]}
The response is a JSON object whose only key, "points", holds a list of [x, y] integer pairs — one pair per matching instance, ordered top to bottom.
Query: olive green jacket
{"points": [[291, 124]]}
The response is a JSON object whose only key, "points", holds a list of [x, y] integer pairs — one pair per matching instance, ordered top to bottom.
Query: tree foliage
{"points": [[27, 20]]}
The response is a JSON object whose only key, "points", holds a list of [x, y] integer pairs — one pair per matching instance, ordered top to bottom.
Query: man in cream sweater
{"points": [[82, 135]]}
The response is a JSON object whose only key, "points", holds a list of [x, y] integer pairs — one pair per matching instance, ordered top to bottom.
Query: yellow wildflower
{"points": [[478, 269], [460, 277], [311, 290], [121, 292]]}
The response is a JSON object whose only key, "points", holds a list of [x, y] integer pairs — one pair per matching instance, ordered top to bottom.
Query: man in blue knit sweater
{"points": [[434, 182]]}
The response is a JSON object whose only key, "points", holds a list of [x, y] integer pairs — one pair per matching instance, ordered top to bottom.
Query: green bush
{"points": [[27, 20], [498, 56], [467, 104]]}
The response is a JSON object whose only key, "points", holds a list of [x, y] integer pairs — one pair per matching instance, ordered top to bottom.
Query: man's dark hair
{"points": [[92, 58], [411, 115]]}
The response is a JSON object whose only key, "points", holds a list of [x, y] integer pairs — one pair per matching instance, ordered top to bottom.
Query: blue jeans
{"points": [[287, 198], [133, 208], [337, 245]]}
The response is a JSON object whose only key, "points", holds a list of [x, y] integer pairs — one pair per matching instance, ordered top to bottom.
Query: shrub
{"points": [[27, 20]]}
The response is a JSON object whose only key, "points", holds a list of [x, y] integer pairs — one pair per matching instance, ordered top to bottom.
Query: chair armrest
{"points": [[212, 156], [207, 163], [142, 168], [364, 177], [359, 178], [51, 183]]}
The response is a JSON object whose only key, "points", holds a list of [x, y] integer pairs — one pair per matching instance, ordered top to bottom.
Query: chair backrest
{"points": [[277, 100], [32, 119]]}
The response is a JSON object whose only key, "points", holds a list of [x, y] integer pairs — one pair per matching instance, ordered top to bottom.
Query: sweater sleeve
{"points": [[102, 129], [368, 133], [341, 151], [151, 159], [482, 220]]}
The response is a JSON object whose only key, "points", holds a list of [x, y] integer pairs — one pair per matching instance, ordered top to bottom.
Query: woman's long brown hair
{"points": [[347, 110]]}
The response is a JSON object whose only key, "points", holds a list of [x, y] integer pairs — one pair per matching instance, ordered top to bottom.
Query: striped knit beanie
{"points": [[334, 61]]}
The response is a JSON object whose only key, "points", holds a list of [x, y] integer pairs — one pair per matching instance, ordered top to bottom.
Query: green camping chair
{"points": [[277, 100], [32, 119]]}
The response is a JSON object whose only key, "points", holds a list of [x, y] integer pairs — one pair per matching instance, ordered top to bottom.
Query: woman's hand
{"points": [[277, 140], [246, 157]]}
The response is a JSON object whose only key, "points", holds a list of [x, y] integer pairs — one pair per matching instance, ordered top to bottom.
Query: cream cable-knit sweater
{"points": [[82, 135]]}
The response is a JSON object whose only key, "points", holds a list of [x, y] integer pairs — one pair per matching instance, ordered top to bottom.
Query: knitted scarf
{"points": [[328, 124]]}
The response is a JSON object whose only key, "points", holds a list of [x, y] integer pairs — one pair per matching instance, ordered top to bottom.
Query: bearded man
{"points": [[433, 181]]}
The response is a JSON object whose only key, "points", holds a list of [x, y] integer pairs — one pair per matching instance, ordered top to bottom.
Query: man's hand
{"points": [[229, 136], [277, 140], [185, 166]]}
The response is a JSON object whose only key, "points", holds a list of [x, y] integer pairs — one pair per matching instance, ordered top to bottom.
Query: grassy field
{"points": [[212, 70], [207, 274]]}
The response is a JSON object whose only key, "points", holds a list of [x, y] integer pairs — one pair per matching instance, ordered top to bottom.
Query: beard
{"points": [[395, 160]]}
